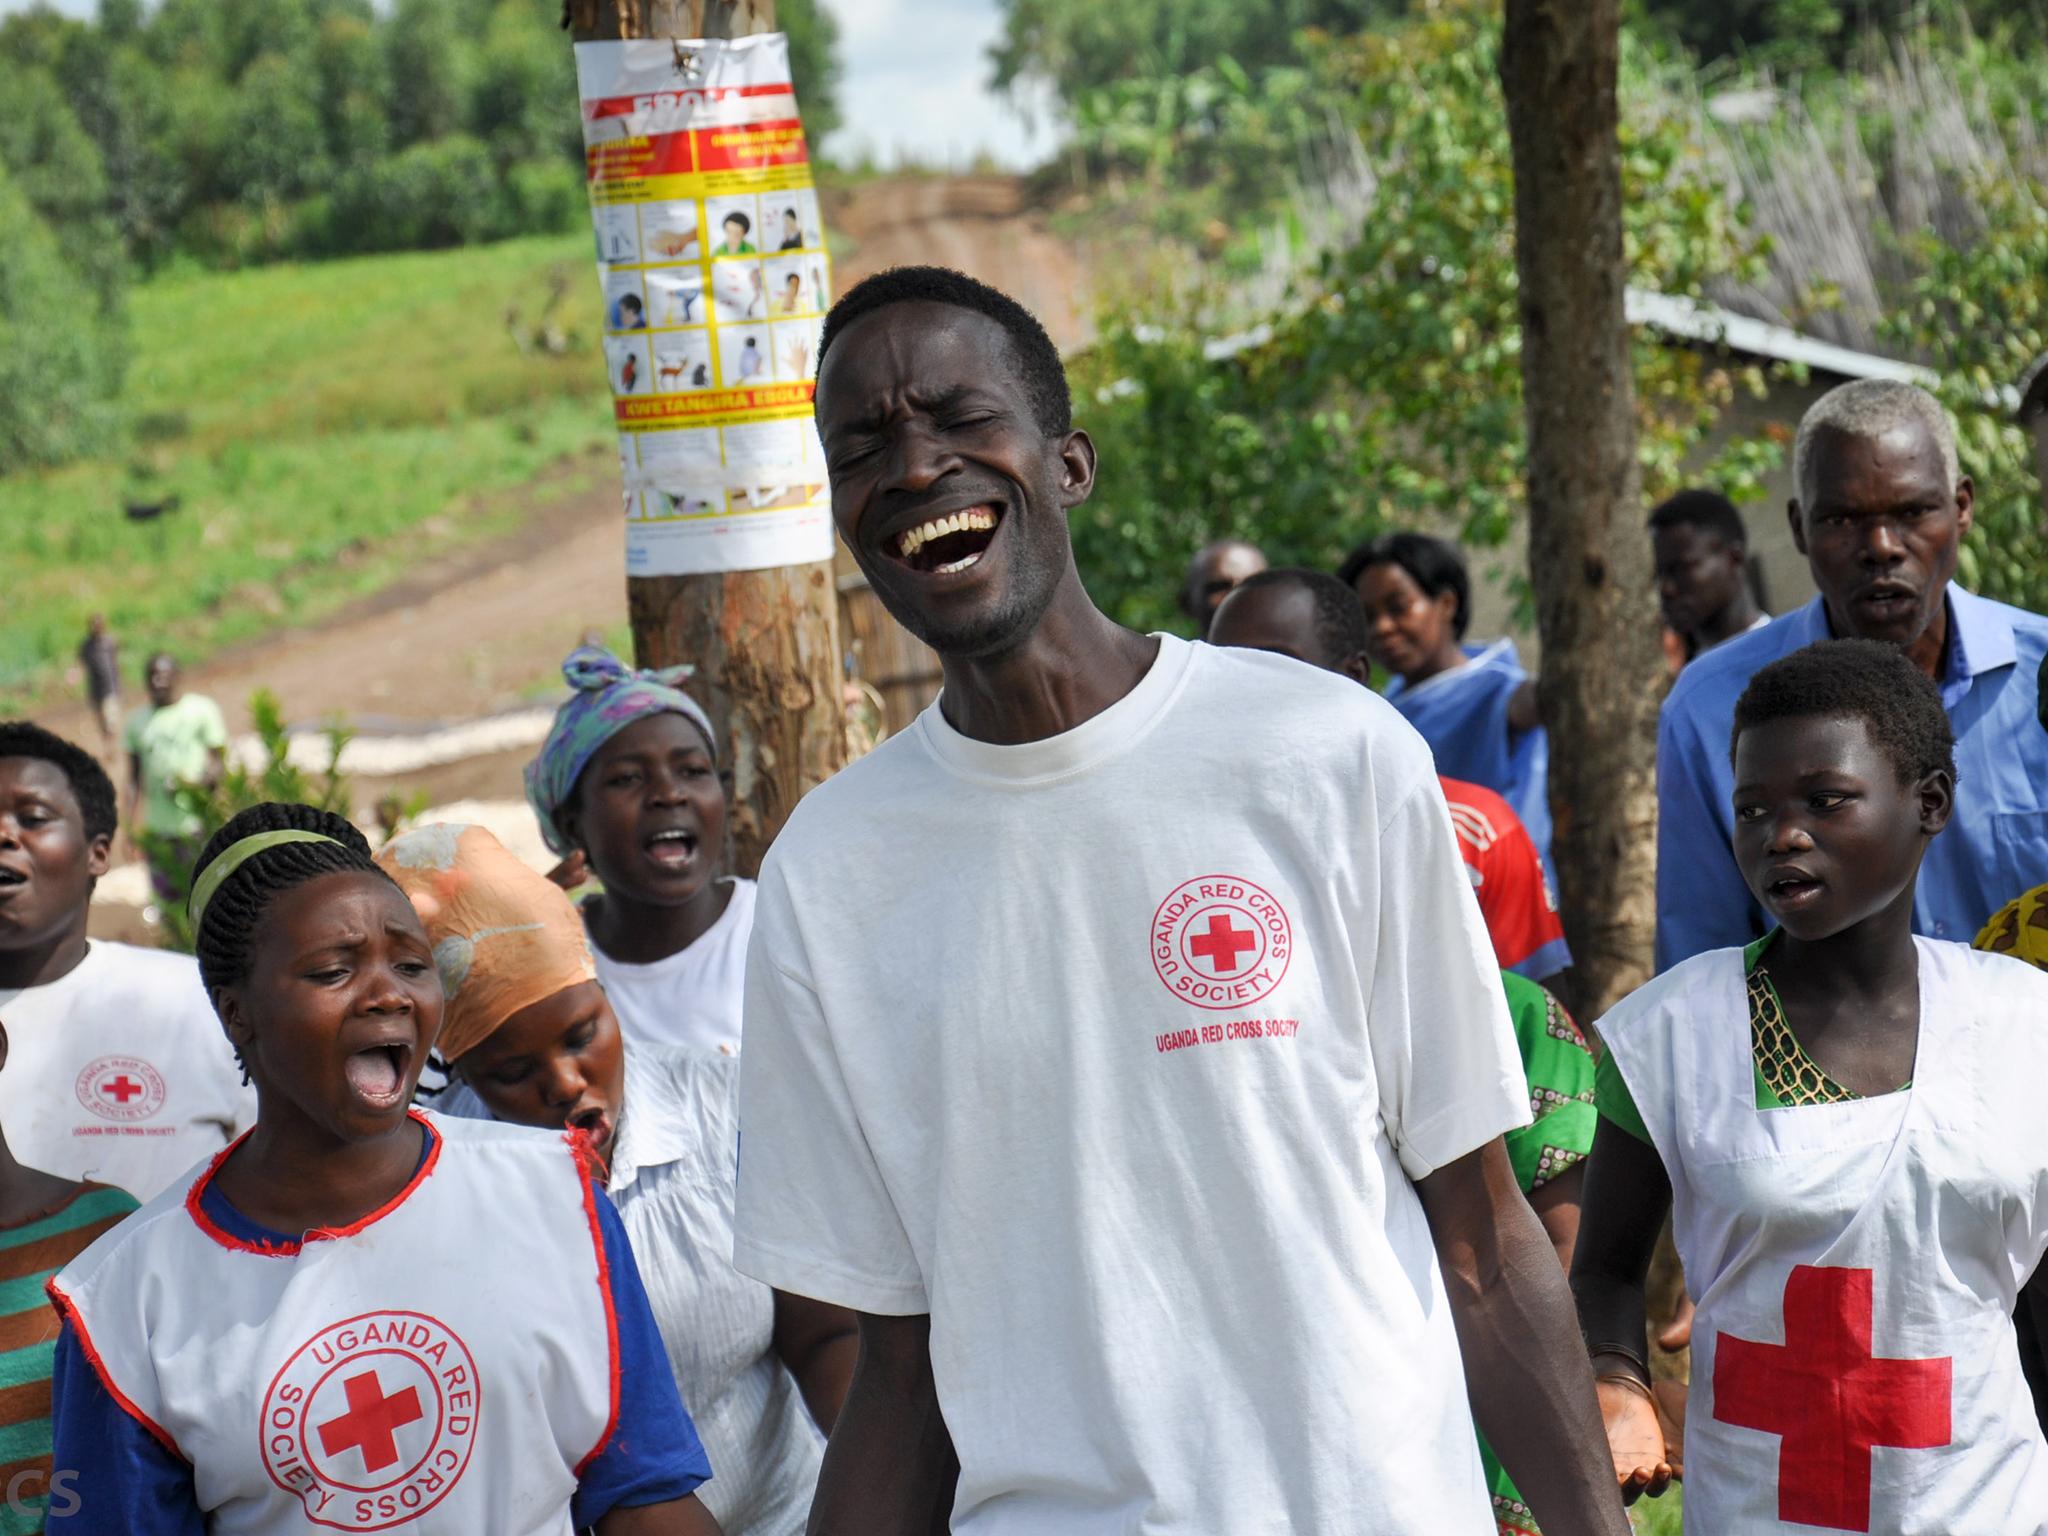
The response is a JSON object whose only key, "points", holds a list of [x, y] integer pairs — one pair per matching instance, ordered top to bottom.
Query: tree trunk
{"points": [[1589, 557], [765, 643]]}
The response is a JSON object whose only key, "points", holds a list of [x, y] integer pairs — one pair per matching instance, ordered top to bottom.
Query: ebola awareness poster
{"points": [[715, 283]]}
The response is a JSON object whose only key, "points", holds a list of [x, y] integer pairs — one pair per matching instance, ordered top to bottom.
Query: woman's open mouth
{"points": [[945, 546], [673, 848], [376, 1075], [594, 1123]]}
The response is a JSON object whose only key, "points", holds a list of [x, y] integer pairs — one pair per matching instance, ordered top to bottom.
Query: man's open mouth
{"points": [[944, 545], [11, 877], [376, 1075]]}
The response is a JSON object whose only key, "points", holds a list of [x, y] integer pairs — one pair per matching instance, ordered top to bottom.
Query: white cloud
{"points": [[915, 85]]}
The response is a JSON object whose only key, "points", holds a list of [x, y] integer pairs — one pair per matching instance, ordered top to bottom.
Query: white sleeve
{"points": [[1443, 1048], [812, 1215]]}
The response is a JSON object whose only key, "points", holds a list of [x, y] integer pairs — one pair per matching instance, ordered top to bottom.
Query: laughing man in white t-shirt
{"points": [[1124, 1044], [117, 1069]]}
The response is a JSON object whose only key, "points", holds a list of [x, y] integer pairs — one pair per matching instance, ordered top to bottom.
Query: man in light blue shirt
{"points": [[1882, 508]]}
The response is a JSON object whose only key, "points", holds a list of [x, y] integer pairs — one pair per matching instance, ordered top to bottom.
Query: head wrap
{"points": [[609, 697], [2020, 929], [504, 937]]}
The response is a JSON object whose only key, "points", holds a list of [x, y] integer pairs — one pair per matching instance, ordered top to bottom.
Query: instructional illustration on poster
{"points": [[715, 282]]}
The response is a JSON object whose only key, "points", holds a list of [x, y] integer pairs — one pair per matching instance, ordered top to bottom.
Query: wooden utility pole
{"points": [[1589, 558], [765, 643]]}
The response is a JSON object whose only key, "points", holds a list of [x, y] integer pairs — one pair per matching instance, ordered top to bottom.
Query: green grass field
{"points": [[325, 427]]}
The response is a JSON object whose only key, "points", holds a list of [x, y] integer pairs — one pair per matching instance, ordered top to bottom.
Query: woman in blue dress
{"points": [[1473, 704]]}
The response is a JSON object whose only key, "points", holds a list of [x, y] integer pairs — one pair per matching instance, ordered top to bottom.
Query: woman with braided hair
{"points": [[359, 1315]]}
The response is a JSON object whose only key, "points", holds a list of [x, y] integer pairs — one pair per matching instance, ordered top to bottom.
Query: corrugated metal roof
{"points": [[1696, 321]]}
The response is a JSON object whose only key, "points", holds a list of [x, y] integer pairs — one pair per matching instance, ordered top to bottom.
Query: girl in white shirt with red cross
{"points": [[359, 1315]]}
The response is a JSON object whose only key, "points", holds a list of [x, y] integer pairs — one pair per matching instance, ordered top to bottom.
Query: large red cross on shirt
{"points": [[1219, 946], [121, 1089], [1829, 1398], [372, 1422]]}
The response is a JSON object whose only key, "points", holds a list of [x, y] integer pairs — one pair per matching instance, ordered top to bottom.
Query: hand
{"points": [[571, 872], [1677, 1333], [1672, 1397], [1635, 1438]]}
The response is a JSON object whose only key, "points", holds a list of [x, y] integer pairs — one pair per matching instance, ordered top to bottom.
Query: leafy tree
{"points": [[1809, 34], [1078, 46], [428, 59], [813, 63], [348, 65], [524, 86], [123, 100], [276, 145], [1980, 311], [59, 345], [1385, 388]]}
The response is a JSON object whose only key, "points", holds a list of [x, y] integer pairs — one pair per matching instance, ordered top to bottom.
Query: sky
{"points": [[914, 83]]}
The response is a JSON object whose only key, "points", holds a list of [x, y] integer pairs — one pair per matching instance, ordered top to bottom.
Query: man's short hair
{"points": [[736, 217], [1045, 378], [1869, 408], [1708, 511], [1432, 564], [1340, 616], [1864, 680], [90, 785]]}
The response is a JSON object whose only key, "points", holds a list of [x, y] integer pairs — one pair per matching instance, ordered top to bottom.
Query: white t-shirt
{"points": [[692, 999], [1117, 1053], [119, 1071], [672, 1180]]}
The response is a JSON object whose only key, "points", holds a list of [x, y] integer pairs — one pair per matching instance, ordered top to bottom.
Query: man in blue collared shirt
{"points": [[1881, 511]]}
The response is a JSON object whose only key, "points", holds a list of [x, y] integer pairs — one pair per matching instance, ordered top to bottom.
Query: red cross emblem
{"points": [[1219, 941], [1222, 942], [120, 1088], [1829, 1398], [372, 1422]]}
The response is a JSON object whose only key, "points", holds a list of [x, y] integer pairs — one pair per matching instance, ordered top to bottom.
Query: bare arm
{"points": [[1523, 715], [135, 789], [1627, 1196], [1556, 1205], [819, 1343], [1532, 1390], [890, 1464], [678, 1517]]}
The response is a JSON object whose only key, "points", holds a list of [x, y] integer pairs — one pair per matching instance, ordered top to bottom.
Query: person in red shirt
{"points": [[1318, 619], [1507, 877]]}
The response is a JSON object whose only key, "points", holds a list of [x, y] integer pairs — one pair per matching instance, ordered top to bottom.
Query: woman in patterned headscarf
{"points": [[629, 778], [530, 1038]]}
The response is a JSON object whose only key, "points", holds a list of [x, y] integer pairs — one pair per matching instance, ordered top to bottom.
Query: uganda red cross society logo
{"points": [[1220, 942], [121, 1088], [371, 1421]]}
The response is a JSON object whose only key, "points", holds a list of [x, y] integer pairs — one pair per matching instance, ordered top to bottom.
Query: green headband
{"points": [[235, 856]]}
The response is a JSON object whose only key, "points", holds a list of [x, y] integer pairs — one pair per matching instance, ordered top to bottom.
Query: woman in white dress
{"points": [[627, 788], [530, 1038]]}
